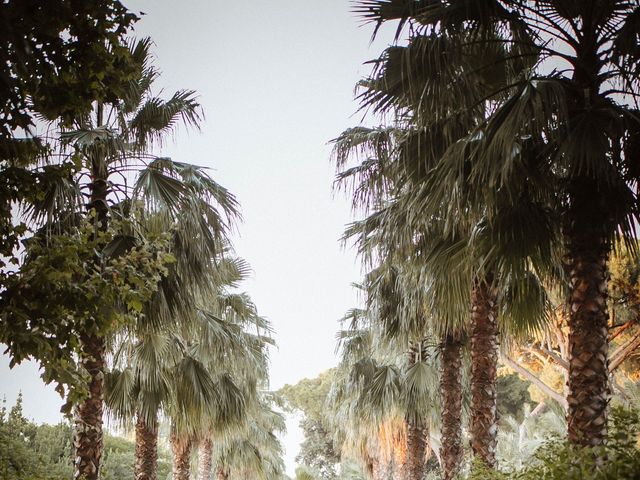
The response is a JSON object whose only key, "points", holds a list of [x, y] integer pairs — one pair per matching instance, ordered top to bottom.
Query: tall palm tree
{"points": [[436, 90], [566, 135], [109, 141], [150, 362], [249, 366]]}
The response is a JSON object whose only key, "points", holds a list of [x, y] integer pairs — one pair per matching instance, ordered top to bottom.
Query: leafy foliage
{"points": [[59, 56], [70, 285], [513, 393], [317, 450], [44, 452], [559, 460]]}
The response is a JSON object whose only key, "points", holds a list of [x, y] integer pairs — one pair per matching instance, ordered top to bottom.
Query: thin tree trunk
{"points": [[586, 267], [484, 366], [451, 394], [88, 443], [181, 449], [205, 459], [146, 463], [221, 474]]}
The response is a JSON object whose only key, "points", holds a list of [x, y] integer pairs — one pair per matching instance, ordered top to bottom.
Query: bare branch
{"points": [[623, 351], [546, 389]]}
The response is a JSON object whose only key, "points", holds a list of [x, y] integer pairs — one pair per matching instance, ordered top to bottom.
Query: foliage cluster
{"points": [[59, 56], [72, 285], [317, 450], [44, 452], [558, 459]]}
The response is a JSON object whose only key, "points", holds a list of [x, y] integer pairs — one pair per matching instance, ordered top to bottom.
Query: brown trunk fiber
{"points": [[586, 266], [484, 365], [451, 394], [87, 442], [416, 447], [181, 449], [204, 459], [146, 464], [412, 467], [221, 474]]}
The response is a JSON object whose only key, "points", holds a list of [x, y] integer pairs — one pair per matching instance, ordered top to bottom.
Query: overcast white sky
{"points": [[276, 80]]}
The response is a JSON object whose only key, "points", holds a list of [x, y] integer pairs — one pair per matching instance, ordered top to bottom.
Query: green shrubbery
{"points": [[44, 452], [558, 460]]}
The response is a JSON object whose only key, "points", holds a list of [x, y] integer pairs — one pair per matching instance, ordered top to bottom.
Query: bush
{"points": [[559, 460]]}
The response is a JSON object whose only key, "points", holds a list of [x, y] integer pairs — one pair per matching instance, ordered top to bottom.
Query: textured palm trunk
{"points": [[586, 267], [484, 367], [451, 395], [88, 437], [87, 441], [416, 447], [181, 449], [205, 454], [146, 462], [413, 465], [221, 474]]}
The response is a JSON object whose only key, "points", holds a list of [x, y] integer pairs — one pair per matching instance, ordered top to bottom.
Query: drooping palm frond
{"points": [[156, 117]]}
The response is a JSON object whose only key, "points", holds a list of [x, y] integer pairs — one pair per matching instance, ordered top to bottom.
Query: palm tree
{"points": [[434, 88], [566, 136], [108, 142], [159, 363], [248, 365], [383, 392], [451, 404], [254, 451]]}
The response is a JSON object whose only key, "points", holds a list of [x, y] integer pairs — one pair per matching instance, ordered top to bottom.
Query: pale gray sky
{"points": [[276, 80]]}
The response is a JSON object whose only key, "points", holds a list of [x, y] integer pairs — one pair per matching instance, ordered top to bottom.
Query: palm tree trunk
{"points": [[586, 266], [484, 367], [451, 394], [88, 443], [416, 447], [181, 449], [204, 460], [146, 463], [413, 467], [221, 474]]}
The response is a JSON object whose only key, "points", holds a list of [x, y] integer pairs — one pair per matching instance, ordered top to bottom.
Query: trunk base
{"points": [[484, 370], [88, 439]]}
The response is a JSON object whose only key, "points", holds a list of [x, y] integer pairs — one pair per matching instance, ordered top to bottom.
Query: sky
{"points": [[276, 80]]}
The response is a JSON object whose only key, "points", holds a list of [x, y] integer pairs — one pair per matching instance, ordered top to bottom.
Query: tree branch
{"points": [[623, 327], [623, 351], [554, 356], [546, 389]]}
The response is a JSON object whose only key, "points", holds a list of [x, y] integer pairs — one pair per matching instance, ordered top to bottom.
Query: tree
{"points": [[41, 39], [428, 104], [114, 137], [568, 137], [150, 352], [317, 450], [29, 451], [254, 451]]}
